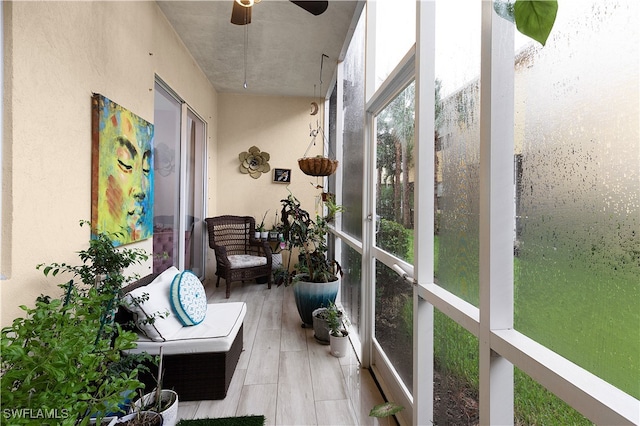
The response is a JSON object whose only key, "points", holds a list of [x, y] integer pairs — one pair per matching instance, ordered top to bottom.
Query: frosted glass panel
{"points": [[395, 34], [457, 43], [331, 136], [457, 147], [352, 163], [578, 190]]}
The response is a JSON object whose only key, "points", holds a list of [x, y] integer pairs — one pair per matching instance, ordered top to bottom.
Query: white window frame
{"points": [[501, 346]]}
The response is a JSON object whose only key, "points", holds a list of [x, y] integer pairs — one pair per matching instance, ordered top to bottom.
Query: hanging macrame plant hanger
{"points": [[318, 165]]}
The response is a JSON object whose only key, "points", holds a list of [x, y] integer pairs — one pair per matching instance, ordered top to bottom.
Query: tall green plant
{"points": [[309, 237], [60, 361]]}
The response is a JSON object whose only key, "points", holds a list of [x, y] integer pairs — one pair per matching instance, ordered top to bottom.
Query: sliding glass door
{"points": [[178, 237], [194, 249]]}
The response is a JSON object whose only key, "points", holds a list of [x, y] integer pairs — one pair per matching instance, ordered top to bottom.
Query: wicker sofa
{"points": [[199, 360]]}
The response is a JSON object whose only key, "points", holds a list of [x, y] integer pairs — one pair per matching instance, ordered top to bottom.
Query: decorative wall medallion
{"points": [[254, 162]]}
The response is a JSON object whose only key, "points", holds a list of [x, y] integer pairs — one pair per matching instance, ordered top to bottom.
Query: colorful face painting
{"points": [[122, 173]]}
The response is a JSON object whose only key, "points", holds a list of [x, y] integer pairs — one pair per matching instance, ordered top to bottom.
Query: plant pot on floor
{"points": [[276, 261], [310, 296], [320, 326], [340, 345], [169, 403], [141, 418], [106, 421]]}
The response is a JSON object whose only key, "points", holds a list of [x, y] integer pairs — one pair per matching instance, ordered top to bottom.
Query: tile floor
{"points": [[283, 373]]}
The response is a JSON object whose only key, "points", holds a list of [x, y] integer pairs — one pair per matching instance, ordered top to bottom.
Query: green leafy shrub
{"points": [[393, 237], [62, 362]]}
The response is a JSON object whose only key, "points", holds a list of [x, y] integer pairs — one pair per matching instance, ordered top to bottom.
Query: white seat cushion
{"points": [[246, 261], [154, 316], [215, 334]]}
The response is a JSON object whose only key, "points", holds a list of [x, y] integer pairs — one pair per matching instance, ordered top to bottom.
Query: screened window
{"points": [[395, 34], [457, 125], [352, 164], [578, 242]]}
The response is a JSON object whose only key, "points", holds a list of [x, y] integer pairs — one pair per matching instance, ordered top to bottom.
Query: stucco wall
{"points": [[56, 55], [277, 125]]}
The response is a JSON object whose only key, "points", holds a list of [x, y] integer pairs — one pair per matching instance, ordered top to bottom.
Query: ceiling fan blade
{"points": [[313, 7], [240, 15]]}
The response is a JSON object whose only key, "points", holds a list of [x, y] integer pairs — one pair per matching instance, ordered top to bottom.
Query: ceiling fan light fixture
{"points": [[246, 3], [240, 15]]}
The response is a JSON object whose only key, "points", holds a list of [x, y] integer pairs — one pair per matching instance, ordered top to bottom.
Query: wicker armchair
{"points": [[239, 256]]}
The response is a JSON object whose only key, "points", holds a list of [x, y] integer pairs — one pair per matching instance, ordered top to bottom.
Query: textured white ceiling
{"points": [[285, 44]]}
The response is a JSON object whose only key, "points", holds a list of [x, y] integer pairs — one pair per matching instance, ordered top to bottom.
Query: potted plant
{"points": [[317, 166], [332, 209], [275, 229], [264, 234], [316, 282], [321, 325], [338, 335], [60, 358], [159, 400], [163, 402], [141, 418]]}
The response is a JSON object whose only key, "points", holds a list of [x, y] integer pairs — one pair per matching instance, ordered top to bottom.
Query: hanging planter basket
{"points": [[317, 166]]}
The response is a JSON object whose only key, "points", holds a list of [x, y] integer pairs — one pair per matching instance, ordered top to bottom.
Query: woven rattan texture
{"points": [[231, 235]]}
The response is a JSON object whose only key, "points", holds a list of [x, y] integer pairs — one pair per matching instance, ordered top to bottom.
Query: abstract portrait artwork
{"points": [[121, 173]]}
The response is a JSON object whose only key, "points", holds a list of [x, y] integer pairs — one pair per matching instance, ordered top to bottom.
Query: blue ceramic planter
{"points": [[311, 296]]}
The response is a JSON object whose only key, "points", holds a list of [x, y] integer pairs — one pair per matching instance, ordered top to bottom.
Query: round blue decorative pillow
{"points": [[188, 298]]}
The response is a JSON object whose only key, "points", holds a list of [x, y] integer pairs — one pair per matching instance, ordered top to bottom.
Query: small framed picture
{"points": [[282, 175]]}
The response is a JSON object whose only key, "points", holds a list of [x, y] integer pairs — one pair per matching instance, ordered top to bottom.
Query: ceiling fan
{"points": [[241, 12]]}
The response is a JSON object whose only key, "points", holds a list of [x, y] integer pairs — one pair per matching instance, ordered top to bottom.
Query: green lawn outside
{"points": [[593, 317]]}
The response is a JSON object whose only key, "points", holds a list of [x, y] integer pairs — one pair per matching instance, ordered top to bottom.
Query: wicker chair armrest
{"points": [[262, 248], [267, 249], [221, 255]]}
